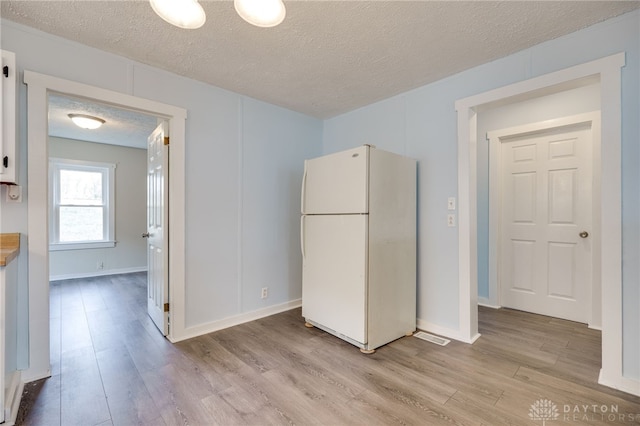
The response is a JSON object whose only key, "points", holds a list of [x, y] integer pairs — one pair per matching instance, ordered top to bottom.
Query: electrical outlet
{"points": [[14, 193], [451, 220], [100, 265], [265, 292]]}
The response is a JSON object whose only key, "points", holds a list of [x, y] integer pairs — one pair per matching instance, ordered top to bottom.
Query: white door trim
{"points": [[608, 71], [39, 86], [593, 120]]}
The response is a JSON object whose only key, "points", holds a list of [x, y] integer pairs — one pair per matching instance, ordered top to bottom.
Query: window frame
{"points": [[108, 190]]}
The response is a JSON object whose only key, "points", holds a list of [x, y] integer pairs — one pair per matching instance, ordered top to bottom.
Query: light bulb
{"points": [[261, 13], [187, 14], [86, 121]]}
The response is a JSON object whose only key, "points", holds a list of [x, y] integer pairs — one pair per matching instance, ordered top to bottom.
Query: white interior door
{"points": [[336, 183], [157, 232], [545, 250], [334, 273]]}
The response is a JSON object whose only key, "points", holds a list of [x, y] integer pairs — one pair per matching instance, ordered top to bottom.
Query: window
{"points": [[81, 204]]}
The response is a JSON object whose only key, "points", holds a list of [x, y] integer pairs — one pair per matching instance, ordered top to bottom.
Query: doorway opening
{"points": [[607, 71], [39, 88], [97, 189], [97, 213]]}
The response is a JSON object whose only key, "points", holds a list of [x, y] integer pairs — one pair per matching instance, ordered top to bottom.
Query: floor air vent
{"points": [[431, 338]]}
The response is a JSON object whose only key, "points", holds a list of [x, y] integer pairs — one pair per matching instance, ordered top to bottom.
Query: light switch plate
{"points": [[451, 203]]}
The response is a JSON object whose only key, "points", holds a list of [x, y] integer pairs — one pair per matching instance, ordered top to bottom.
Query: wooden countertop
{"points": [[9, 247]]}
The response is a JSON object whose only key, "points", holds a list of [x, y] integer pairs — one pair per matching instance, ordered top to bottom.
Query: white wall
{"points": [[570, 102], [422, 124], [243, 167], [130, 252]]}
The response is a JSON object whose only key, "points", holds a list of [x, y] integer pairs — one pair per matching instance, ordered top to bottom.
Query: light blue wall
{"points": [[422, 124], [273, 142], [244, 162]]}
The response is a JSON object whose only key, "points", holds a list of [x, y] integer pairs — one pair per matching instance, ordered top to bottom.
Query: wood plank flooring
{"points": [[112, 367]]}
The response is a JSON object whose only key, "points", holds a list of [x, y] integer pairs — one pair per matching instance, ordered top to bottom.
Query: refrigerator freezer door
{"points": [[336, 183], [334, 273]]}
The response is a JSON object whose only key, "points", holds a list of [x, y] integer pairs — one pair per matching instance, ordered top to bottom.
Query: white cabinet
{"points": [[8, 141], [8, 277], [10, 376]]}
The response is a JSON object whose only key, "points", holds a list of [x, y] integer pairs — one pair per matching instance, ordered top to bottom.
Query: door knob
{"points": [[584, 234], [146, 235]]}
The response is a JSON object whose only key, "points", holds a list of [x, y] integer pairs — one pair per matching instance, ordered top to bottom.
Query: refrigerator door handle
{"points": [[304, 187], [302, 236]]}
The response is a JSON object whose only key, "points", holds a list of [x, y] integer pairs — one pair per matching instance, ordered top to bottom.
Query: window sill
{"points": [[81, 245]]}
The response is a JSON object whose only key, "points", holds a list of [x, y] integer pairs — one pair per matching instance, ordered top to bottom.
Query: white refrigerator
{"points": [[358, 242]]}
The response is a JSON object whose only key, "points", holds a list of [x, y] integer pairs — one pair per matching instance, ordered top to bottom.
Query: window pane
{"points": [[80, 187], [81, 224]]}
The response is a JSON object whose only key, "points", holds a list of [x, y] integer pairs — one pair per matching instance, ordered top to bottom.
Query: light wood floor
{"points": [[111, 366]]}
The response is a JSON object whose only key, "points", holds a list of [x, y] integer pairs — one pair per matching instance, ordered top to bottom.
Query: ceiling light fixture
{"points": [[261, 13], [187, 14], [86, 121]]}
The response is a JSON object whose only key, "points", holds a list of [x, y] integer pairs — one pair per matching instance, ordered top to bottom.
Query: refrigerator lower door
{"points": [[334, 273]]}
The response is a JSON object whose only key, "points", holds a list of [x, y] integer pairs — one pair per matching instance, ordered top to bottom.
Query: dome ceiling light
{"points": [[261, 13], [187, 14], [86, 121]]}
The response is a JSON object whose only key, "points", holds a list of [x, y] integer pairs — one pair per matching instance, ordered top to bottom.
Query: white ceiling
{"points": [[327, 57], [121, 127]]}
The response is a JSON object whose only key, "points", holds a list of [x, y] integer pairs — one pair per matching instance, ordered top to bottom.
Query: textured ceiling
{"points": [[327, 57], [121, 127]]}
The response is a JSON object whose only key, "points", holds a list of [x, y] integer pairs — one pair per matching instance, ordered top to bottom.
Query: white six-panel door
{"points": [[157, 215], [545, 249]]}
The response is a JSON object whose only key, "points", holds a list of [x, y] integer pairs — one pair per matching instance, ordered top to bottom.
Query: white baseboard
{"points": [[98, 273], [483, 301], [207, 328], [445, 331], [29, 375], [621, 383], [631, 386], [13, 395]]}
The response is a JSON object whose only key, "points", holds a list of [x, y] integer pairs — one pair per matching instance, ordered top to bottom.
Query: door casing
{"points": [[608, 72], [39, 87]]}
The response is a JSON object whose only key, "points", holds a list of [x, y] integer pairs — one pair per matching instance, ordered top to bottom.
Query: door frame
{"points": [[608, 71], [39, 87], [592, 119]]}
